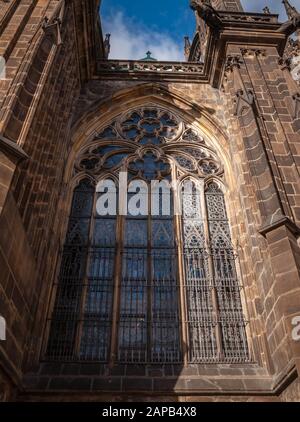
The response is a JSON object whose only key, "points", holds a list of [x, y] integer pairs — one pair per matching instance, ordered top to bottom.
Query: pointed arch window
{"points": [[158, 287]]}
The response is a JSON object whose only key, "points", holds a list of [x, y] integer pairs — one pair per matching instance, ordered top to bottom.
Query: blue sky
{"points": [[159, 25]]}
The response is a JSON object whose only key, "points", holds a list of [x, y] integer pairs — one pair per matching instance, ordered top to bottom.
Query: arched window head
{"points": [[144, 133], [157, 282]]}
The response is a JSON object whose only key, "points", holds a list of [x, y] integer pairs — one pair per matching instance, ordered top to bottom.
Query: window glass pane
{"points": [[114, 160], [82, 201], [82, 204], [78, 232], [136, 232], [104, 233], [162, 233], [101, 264], [134, 264], [73, 265], [99, 300], [67, 303], [133, 307], [165, 307], [95, 339], [62, 340], [133, 340]]}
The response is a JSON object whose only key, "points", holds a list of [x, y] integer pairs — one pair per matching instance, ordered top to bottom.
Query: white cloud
{"points": [[130, 40]]}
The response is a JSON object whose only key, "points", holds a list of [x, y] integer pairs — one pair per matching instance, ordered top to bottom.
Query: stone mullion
{"points": [[267, 194], [184, 323], [114, 340]]}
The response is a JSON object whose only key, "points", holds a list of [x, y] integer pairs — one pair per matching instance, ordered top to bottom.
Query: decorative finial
{"points": [[266, 10], [206, 11], [291, 11], [107, 45], [187, 47], [148, 57]]}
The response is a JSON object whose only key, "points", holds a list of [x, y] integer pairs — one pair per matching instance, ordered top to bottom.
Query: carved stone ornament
{"points": [[207, 13], [291, 25], [52, 30], [253, 52], [296, 98], [244, 100], [148, 133]]}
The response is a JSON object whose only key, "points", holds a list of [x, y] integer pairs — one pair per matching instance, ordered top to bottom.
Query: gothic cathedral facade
{"points": [[202, 305]]}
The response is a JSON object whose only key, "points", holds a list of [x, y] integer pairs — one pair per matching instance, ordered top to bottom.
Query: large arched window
{"points": [[157, 286]]}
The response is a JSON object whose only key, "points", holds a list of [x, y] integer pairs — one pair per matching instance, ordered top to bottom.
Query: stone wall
{"points": [[20, 21], [48, 112], [272, 168], [27, 241]]}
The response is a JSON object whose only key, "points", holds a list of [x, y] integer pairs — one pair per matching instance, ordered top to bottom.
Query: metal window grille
{"points": [[137, 267], [230, 316], [215, 319], [80, 325]]}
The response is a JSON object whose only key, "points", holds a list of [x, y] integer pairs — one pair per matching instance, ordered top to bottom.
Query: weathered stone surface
{"points": [[51, 103]]}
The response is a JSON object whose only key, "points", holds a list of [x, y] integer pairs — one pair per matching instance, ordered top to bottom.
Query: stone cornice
{"points": [[257, 20], [246, 30], [245, 37], [151, 71]]}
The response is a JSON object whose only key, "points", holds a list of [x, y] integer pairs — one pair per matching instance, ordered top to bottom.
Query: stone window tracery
{"points": [[130, 288]]}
